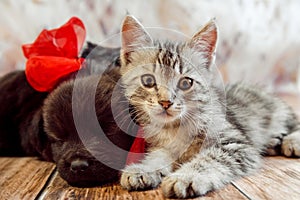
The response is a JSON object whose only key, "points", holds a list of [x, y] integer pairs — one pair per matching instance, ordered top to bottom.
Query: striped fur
{"points": [[206, 136]]}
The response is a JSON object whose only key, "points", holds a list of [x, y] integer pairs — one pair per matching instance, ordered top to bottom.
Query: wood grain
{"points": [[23, 178], [26, 178], [279, 179], [59, 189]]}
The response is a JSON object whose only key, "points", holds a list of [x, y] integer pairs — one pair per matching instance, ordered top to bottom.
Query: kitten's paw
{"points": [[291, 144], [274, 146], [135, 177], [183, 186]]}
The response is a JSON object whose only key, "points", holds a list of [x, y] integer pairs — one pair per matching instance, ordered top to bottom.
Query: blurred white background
{"points": [[259, 39]]}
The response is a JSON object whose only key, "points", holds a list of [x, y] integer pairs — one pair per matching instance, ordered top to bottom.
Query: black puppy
{"points": [[21, 125], [60, 127]]}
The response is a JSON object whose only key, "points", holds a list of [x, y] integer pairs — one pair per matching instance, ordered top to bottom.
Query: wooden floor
{"points": [[30, 178]]}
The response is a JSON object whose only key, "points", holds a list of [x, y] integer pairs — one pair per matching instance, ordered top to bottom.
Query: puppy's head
{"points": [[83, 155], [78, 166]]}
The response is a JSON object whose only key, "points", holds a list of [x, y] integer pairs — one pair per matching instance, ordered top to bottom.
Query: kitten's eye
{"points": [[148, 80], [185, 83]]}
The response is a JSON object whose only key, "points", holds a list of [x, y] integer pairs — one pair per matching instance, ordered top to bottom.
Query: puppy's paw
{"points": [[291, 144], [135, 177], [183, 186]]}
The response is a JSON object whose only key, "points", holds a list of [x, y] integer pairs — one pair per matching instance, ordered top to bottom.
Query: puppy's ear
{"points": [[88, 49], [43, 141]]}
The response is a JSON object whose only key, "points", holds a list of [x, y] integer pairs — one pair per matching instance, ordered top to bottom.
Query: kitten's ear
{"points": [[133, 35], [206, 39]]}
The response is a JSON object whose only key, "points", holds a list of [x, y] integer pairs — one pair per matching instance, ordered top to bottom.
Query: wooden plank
{"points": [[23, 178], [279, 179], [59, 189], [227, 193]]}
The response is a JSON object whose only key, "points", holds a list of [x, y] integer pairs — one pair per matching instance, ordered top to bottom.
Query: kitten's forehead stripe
{"points": [[168, 56], [157, 62], [174, 63]]}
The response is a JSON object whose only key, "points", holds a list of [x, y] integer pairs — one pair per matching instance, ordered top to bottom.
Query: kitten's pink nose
{"points": [[166, 104]]}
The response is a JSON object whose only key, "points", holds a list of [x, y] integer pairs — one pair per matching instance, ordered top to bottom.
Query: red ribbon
{"points": [[54, 54], [137, 149]]}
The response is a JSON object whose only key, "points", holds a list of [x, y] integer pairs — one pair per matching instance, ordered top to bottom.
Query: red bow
{"points": [[54, 54]]}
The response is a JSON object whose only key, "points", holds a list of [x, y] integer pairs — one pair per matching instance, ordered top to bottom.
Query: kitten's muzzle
{"points": [[165, 104]]}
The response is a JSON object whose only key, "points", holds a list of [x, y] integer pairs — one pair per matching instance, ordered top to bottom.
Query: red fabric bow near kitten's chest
{"points": [[54, 55]]}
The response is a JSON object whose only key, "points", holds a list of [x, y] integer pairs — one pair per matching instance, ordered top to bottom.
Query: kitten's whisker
{"points": [[121, 113]]}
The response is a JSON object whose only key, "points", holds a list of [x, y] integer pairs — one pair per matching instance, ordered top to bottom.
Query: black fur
{"points": [[20, 118], [37, 124], [67, 145]]}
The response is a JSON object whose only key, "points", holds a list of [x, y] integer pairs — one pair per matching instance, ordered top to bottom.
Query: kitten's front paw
{"points": [[291, 145], [274, 146], [135, 177], [183, 186]]}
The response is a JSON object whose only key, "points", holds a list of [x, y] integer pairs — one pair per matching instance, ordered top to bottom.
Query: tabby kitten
{"points": [[197, 140]]}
